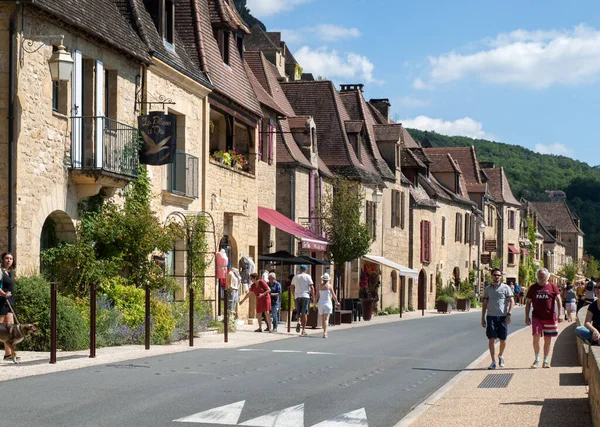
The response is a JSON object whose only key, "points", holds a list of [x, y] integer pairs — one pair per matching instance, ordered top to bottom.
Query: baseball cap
{"points": [[303, 267]]}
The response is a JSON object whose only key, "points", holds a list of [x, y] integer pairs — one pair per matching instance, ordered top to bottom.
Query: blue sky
{"points": [[520, 72]]}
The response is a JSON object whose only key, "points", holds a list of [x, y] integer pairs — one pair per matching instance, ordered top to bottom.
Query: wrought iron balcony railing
{"points": [[103, 144], [183, 175]]}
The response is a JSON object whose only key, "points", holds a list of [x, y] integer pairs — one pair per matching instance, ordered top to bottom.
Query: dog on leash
{"points": [[11, 335]]}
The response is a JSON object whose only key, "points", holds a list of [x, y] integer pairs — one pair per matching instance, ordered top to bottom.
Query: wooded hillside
{"points": [[531, 174]]}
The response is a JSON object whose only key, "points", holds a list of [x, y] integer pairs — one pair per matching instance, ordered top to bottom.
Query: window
{"points": [[162, 13], [169, 30], [222, 36], [240, 44], [110, 94], [355, 142], [397, 157], [397, 204], [394, 208], [490, 218], [371, 219], [512, 223], [458, 228], [467, 228], [443, 230], [425, 241], [511, 258]]}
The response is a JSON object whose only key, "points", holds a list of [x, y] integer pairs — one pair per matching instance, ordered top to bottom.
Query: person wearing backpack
{"points": [[589, 290]]}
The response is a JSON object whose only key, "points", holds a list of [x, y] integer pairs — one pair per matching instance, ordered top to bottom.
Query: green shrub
{"points": [[446, 294], [32, 300], [128, 300], [284, 301], [389, 310], [180, 311], [163, 321]]}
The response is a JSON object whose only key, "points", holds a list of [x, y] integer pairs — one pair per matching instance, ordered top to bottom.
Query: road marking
{"points": [[251, 349], [287, 351], [319, 352], [228, 414], [288, 417], [354, 418]]}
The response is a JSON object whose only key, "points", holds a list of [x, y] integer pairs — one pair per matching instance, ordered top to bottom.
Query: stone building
{"points": [[66, 140]]}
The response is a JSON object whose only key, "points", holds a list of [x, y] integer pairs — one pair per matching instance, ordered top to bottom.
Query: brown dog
{"points": [[11, 335]]}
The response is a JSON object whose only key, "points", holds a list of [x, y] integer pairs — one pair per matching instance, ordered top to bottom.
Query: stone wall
{"points": [[43, 136], [511, 237], [589, 358]]}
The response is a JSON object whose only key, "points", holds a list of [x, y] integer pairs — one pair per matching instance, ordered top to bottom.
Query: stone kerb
{"points": [[589, 357]]}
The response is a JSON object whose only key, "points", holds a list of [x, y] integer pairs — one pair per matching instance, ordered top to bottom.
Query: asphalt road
{"points": [[362, 376]]}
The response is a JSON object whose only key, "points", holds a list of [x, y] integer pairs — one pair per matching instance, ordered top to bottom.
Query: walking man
{"points": [[275, 287], [303, 288], [545, 298], [498, 302]]}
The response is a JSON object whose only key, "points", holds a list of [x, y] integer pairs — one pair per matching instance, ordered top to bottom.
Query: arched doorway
{"points": [[58, 227], [456, 277], [422, 288]]}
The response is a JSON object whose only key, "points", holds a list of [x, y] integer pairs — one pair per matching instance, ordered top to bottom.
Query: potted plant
{"points": [[217, 156], [369, 295], [464, 295], [445, 300], [285, 307]]}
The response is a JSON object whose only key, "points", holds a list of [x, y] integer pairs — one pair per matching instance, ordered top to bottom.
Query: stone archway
{"points": [[58, 227], [421, 291]]}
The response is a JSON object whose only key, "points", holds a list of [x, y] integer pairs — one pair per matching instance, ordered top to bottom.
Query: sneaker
{"points": [[297, 327], [258, 330], [274, 330], [325, 335], [588, 342], [11, 358], [501, 360], [535, 364], [546, 365], [492, 366]]}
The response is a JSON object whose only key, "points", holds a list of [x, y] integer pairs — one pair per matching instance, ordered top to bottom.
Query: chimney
{"points": [[352, 87], [383, 106]]}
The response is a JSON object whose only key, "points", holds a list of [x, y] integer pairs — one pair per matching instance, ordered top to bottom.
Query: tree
{"points": [[348, 235], [592, 268], [569, 271]]}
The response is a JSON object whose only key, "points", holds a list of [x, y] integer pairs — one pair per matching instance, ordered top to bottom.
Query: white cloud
{"points": [[262, 8], [323, 32], [537, 59], [332, 64], [418, 83], [463, 127], [557, 149]]}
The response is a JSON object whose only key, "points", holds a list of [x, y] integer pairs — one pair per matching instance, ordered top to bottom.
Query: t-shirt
{"points": [[301, 283], [275, 289], [589, 294], [570, 295], [498, 299], [542, 299], [595, 315]]}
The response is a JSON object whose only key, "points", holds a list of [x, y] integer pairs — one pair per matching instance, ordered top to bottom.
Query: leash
{"points": [[12, 311]]}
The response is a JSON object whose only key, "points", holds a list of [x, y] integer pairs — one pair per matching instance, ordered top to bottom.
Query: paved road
{"points": [[362, 376]]}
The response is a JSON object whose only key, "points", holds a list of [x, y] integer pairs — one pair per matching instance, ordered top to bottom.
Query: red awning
{"points": [[309, 240], [513, 249], [525, 252]]}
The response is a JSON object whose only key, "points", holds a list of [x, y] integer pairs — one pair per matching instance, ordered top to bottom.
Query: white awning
{"points": [[404, 271]]}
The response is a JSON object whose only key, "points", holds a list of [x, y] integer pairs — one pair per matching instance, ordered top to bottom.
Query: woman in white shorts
{"points": [[326, 294], [570, 302]]}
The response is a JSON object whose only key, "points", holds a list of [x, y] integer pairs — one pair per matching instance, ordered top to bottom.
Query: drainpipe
{"points": [[11, 130], [292, 206], [411, 237]]}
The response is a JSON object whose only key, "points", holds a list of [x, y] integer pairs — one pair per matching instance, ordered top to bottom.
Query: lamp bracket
{"points": [[27, 46], [160, 100]]}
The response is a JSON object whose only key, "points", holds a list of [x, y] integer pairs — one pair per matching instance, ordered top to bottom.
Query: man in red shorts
{"points": [[545, 298]]}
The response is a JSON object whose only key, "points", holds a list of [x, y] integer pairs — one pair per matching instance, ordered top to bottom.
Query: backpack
{"points": [[589, 286]]}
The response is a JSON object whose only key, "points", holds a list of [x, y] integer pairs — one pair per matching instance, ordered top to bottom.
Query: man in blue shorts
{"points": [[498, 302]]}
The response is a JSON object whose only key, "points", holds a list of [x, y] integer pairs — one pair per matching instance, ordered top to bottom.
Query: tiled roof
{"points": [[224, 12], [101, 19], [259, 41], [184, 54], [289, 58], [228, 80], [263, 97], [320, 100], [358, 109], [379, 118], [298, 122], [353, 126], [388, 132], [408, 140], [287, 149], [466, 158], [408, 159], [441, 163], [323, 169], [404, 179], [499, 187], [421, 197], [557, 215]]}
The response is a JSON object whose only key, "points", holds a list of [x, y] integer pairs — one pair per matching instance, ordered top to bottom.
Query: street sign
{"points": [[489, 246], [486, 258]]}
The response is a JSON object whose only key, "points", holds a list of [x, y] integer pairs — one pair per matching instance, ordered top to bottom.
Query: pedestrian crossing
{"points": [[286, 351], [292, 416]]}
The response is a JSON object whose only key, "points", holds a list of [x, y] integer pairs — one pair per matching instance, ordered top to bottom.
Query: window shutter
{"points": [[77, 109], [99, 113], [260, 139], [271, 141], [394, 207], [402, 207], [422, 241], [428, 241]]}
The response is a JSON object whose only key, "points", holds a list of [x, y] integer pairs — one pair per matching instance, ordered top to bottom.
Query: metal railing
{"points": [[101, 143], [182, 175], [314, 224]]}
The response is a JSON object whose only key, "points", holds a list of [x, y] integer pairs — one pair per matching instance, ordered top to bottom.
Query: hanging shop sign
{"points": [[159, 134], [489, 246]]}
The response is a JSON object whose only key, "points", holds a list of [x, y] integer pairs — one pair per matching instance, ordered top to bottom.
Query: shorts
{"points": [[302, 305], [570, 307], [325, 309], [496, 327], [547, 328]]}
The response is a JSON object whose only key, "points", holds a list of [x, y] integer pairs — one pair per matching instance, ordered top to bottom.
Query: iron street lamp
{"points": [[60, 63], [377, 196], [481, 231]]}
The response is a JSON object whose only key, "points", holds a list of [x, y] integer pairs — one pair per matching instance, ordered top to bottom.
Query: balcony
{"points": [[104, 154], [182, 180], [314, 224]]}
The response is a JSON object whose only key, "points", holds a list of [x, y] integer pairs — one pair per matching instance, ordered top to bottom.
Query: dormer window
{"points": [[162, 13], [222, 36], [355, 142]]}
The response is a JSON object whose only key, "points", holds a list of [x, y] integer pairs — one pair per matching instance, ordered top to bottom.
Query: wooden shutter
{"points": [[77, 109], [99, 113], [260, 139], [271, 142], [394, 207], [402, 207], [427, 228], [422, 241]]}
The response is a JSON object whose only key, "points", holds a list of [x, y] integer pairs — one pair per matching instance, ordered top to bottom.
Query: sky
{"points": [[520, 72]]}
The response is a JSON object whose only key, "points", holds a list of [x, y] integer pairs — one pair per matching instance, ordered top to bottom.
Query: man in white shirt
{"points": [[303, 288]]}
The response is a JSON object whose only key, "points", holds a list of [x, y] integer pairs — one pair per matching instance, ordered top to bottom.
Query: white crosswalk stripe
{"points": [[228, 414], [288, 417], [356, 418]]}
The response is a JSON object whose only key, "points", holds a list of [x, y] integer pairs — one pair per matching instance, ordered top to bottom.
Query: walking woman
{"points": [[326, 294], [6, 295], [263, 300]]}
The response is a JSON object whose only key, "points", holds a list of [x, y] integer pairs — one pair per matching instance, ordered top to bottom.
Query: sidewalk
{"points": [[37, 363], [533, 397]]}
